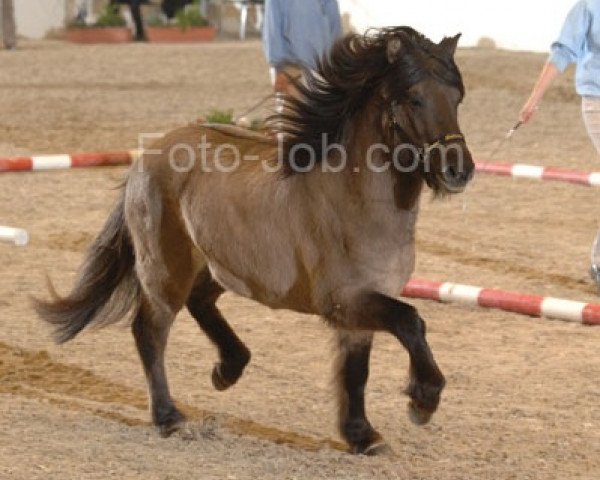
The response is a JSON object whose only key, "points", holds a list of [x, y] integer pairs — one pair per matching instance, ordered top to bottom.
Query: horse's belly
{"points": [[229, 281], [275, 287]]}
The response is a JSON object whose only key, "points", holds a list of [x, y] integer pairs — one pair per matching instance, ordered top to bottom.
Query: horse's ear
{"points": [[449, 44], [394, 49]]}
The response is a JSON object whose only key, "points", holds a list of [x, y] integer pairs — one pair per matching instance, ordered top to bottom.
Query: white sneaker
{"points": [[595, 261], [595, 275]]}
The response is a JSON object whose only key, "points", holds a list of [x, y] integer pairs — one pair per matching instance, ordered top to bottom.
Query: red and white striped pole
{"points": [[77, 160], [66, 161], [534, 172], [18, 236], [533, 305]]}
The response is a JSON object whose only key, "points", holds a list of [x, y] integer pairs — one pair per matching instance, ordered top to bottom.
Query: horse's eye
{"points": [[415, 102]]}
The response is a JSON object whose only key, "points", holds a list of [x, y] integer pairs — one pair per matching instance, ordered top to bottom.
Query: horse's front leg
{"points": [[377, 312], [351, 374]]}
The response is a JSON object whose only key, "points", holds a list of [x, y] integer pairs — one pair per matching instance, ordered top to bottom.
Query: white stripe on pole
{"points": [[135, 154], [50, 162], [527, 171], [594, 179], [16, 235], [459, 293], [564, 309]]}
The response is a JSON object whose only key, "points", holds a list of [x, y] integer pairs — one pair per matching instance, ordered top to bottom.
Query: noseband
{"points": [[443, 141]]}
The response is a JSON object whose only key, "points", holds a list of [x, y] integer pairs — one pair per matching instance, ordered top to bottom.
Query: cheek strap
{"points": [[426, 148]]}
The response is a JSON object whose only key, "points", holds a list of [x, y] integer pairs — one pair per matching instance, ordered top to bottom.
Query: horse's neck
{"points": [[372, 170], [364, 196]]}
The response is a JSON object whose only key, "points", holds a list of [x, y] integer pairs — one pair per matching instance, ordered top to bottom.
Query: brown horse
{"points": [[318, 218]]}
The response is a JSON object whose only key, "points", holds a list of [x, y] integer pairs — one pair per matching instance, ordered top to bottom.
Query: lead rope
{"points": [[254, 107]]}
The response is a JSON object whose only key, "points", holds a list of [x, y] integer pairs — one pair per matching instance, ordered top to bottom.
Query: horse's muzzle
{"points": [[455, 168], [455, 178]]}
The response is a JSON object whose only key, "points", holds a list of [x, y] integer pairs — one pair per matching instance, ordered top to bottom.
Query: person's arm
{"points": [[566, 50], [547, 76]]}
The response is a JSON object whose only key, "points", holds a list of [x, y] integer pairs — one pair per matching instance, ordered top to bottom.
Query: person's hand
{"points": [[282, 83], [528, 110]]}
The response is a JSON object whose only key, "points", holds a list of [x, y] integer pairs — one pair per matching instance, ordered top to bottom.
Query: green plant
{"points": [[190, 16], [110, 17], [156, 21], [220, 116]]}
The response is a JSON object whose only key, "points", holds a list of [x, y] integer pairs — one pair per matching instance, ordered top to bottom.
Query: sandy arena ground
{"points": [[522, 400]]}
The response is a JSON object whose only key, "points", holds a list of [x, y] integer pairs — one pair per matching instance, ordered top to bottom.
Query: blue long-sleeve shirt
{"points": [[299, 31], [579, 42]]}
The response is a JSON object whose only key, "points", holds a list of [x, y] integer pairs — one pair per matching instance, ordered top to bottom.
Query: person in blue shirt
{"points": [[298, 32], [579, 43]]}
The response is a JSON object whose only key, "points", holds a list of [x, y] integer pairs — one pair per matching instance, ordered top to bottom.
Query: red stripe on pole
{"points": [[95, 159], [100, 159], [18, 164], [504, 169], [548, 174], [570, 176], [419, 288], [511, 301], [591, 314]]}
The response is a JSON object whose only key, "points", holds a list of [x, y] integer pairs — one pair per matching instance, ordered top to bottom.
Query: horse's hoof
{"points": [[227, 372], [218, 380], [424, 400], [418, 416], [173, 422], [165, 431], [186, 432], [362, 438], [378, 449]]}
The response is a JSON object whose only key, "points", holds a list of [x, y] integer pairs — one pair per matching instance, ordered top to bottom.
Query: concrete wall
{"points": [[34, 18], [512, 24]]}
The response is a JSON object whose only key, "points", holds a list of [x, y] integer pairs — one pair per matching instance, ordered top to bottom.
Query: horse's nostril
{"points": [[452, 174], [470, 174], [455, 176]]}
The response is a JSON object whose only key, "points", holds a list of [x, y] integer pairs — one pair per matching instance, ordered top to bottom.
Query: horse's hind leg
{"points": [[166, 268], [151, 331], [233, 354], [352, 371]]}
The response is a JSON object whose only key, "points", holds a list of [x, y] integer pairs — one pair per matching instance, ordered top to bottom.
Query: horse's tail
{"points": [[106, 287]]}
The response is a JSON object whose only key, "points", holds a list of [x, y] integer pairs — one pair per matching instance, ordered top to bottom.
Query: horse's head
{"points": [[393, 79], [421, 94]]}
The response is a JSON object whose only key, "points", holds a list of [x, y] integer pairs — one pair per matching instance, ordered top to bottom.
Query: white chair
{"points": [[243, 6], [84, 11]]}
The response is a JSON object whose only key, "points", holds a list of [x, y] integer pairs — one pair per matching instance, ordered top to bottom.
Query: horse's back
{"points": [[233, 131], [196, 138], [235, 211]]}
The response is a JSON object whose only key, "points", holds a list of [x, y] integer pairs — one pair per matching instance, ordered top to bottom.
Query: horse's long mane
{"points": [[346, 79]]}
